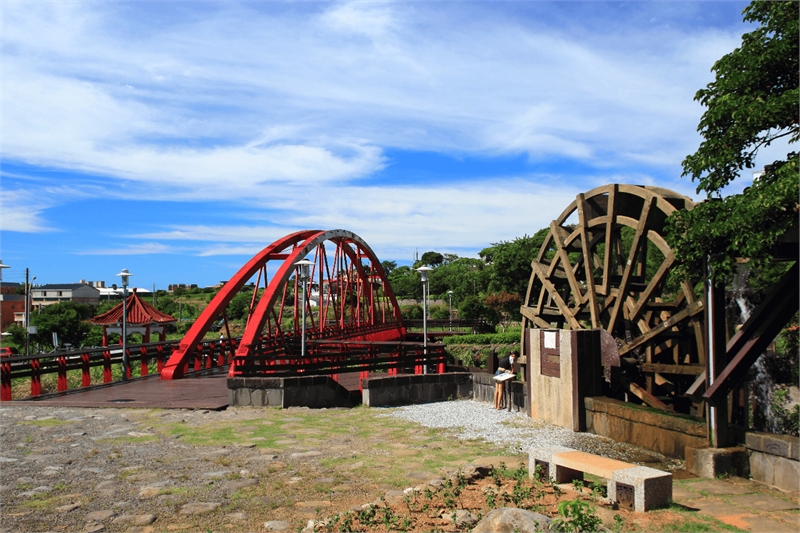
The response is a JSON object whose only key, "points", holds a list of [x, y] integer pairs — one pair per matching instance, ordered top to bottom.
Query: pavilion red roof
{"points": [[139, 313]]}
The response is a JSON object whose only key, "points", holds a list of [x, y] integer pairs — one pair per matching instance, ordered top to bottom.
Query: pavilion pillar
{"points": [[105, 336]]}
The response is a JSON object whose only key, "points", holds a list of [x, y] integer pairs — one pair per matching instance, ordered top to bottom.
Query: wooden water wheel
{"points": [[605, 264]]}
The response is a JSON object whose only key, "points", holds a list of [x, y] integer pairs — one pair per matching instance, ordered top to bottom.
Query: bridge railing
{"points": [[333, 357], [84, 368]]}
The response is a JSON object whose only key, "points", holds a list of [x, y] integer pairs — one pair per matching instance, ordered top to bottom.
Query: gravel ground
{"points": [[518, 433], [66, 469]]}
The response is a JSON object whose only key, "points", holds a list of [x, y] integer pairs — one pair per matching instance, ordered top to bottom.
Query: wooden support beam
{"points": [[612, 219], [559, 235], [588, 261], [629, 265], [541, 273], [658, 277], [689, 311], [530, 314], [755, 335], [680, 370], [648, 398]]}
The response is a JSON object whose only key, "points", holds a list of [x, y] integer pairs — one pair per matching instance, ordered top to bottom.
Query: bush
{"points": [[411, 312], [509, 337]]}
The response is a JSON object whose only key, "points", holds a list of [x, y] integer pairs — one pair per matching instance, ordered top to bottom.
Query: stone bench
{"points": [[639, 487]]}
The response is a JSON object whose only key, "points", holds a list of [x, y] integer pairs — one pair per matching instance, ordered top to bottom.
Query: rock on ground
{"points": [[512, 520]]}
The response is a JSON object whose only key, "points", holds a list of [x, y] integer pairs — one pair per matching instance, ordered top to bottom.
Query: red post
{"points": [[159, 357], [144, 362], [62, 373], [107, 375], [86, 376], [36, 380], [5, 381]]}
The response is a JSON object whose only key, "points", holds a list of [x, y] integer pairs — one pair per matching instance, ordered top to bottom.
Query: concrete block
{"points": [[231, 396], [241, 396], [257, 397], [274, 398], [366, 399], [774, 445], [544, 455], [713, 462], [762, 467], [787, 474], [651, 488]]}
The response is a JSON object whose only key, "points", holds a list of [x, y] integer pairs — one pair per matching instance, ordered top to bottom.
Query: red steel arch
{"points": [[355, 300]]}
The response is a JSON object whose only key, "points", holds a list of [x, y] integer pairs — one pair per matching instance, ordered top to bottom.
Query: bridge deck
{"points": [[205, 391]]}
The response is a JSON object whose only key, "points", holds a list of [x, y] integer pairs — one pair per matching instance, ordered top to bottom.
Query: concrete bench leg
{"points": [[544, 456], [651, 488]]}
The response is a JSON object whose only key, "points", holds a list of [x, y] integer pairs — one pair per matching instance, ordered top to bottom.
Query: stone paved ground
{"points": [[143, 470]]}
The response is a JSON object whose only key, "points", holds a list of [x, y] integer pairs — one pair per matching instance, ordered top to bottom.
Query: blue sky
{"points": [[176, 139]]}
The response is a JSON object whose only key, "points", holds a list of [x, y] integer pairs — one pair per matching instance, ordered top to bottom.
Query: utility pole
{"points": [[27, 314]]}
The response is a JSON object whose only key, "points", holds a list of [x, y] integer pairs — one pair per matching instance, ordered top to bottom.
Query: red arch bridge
{"points": [[352, 325]]}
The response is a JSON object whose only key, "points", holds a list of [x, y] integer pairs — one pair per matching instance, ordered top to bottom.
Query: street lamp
{"points": [[2, 266], [423, 272], [124, 274], [305, 275], [450, 294], [28, 328]]}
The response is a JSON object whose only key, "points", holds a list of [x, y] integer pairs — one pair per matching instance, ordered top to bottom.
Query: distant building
{"points": [[174, 286], [45, 295], [12, 305]]}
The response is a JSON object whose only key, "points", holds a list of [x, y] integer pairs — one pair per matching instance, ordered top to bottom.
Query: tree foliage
{"points": [[752, 102], [511, 262], [505, 305], [68, 319]]}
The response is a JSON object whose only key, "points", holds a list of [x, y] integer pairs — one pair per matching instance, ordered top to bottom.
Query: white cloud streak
{"points": [[248, 96]]}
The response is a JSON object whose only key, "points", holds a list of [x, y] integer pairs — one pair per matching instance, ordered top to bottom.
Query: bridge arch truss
{"points": [[348, 299]]}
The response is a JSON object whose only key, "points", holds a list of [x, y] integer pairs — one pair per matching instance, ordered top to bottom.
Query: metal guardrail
{"points": [[457, 326], [336, 351], [210, 353]]}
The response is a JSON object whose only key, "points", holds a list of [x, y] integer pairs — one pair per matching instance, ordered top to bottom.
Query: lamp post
{"points": [[2, 266], [423, 271], [124, 274], [305, 275], [450, 294], [28, 327]]}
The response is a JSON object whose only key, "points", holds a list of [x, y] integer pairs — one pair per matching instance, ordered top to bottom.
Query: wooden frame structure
{"points": [[605, 265]]}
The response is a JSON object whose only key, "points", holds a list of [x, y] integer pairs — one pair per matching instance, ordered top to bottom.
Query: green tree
{"points": [[752, 102], [432, 259], [511, 262], [388, 266], [464, 276], [406, 283], [239, 305], [505, 306], [473, 308], [68, 319]]}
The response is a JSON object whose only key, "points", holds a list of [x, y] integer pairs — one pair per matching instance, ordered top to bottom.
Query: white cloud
{"points": [[246, 96], [22, 211], [394, 220], [147, 248]]}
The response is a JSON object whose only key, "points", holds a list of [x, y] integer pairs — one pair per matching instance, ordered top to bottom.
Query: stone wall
{"points": [[417, 388], [306, 391], [483, 391], [669, 434], [775, 460]]}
